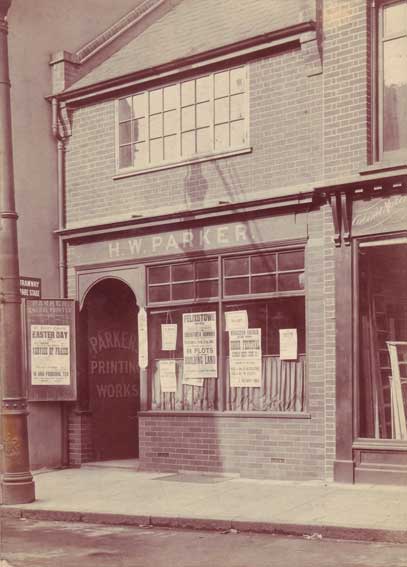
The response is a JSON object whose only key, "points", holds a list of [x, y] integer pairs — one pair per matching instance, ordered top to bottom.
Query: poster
{"points": [[236, 320], [168, 336], [142, 338], [199, 341], [288, 344], [50, 349], [50, 355], [245, 358], [168, 378], [192, 381]]}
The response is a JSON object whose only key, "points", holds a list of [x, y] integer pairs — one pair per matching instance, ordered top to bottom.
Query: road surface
{"points": [[41, 544]]}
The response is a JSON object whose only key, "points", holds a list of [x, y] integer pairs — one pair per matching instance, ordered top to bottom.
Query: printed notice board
{"points": [[50, 349]]}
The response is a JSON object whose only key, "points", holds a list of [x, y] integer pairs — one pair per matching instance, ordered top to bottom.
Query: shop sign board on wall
{"points": [[372, 216], [191, 240], [200, 346], [50, 349], [245, 358]]}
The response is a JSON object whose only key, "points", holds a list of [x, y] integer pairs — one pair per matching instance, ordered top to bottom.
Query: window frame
{"points": [[390, 156], [181, 159], [360, 243], [221, 302]]}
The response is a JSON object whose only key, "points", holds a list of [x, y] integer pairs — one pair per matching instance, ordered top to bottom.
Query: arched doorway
{"points": [[110, 312]]}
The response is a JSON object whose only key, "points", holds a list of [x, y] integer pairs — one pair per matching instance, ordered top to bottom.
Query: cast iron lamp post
{"points": [[17, 485]]}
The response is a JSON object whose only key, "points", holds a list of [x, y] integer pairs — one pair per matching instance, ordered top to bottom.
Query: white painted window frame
{"points": [[196, 157]]}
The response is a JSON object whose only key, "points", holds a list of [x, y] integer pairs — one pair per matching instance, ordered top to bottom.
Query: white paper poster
{"points": [[236, 320], [168, 337], [142, 338], [288, 344], [200, 350], [50, 355], [245, 358], [168, 378], [192, 381]]}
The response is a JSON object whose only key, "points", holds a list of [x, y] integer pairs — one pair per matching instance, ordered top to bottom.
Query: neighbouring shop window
{"points": [[392, 55], [188, 119], [250, 316], [383, 340]]}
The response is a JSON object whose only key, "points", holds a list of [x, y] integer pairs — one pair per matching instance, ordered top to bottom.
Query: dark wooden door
{"points": [[113, 370]]}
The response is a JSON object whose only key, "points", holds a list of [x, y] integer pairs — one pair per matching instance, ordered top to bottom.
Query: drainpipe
{"points": [[60, 138], [60, 195]]}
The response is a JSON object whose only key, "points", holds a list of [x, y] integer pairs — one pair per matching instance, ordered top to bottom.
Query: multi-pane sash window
{"points": [[393, 79], [192, 118], [264, 273], [183, 281]]}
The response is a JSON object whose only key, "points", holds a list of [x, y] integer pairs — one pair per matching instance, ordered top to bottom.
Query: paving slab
{"points": [[119, 494]]}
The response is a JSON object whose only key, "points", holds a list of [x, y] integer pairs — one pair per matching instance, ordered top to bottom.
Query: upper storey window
{"points": [[393, 80], [182, 121]]}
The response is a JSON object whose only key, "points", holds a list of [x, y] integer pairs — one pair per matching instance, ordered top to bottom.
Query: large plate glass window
{"points": [[382, 268]]}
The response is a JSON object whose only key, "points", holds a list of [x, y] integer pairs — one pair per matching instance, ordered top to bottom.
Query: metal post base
{"points": [[17, 492]]}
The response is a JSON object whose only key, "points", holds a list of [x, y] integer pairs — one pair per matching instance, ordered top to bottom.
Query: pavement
{"points": [[117, 493]]}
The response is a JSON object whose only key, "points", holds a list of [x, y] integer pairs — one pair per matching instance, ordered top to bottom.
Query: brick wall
{"points": [[346, 88], [285, 134], [80, 446], [251, 447]]}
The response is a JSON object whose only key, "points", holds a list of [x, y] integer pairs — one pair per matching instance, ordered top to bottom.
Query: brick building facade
{"points": [[224, 167]]}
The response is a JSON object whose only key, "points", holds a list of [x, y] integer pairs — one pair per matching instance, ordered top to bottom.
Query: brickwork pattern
{"points": [[346, 89], [285, 137], [80, 445], [252, 447]]}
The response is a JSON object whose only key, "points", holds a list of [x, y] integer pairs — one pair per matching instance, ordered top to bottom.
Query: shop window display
{"points": [[233, 338], [383, 340]]}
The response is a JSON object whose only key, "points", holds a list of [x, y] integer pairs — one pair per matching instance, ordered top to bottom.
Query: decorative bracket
{"points": [[341, 206], [346, 214]]}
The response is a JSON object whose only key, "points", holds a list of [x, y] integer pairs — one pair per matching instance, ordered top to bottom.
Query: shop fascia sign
{"points": [[191, 239]]}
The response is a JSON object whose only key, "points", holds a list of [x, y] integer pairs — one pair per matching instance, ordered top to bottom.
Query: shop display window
{"points": [[233, 337], [383, 339]]}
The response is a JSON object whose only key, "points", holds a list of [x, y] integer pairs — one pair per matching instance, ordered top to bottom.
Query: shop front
{"points": [[371, 268], [225, 382]]}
